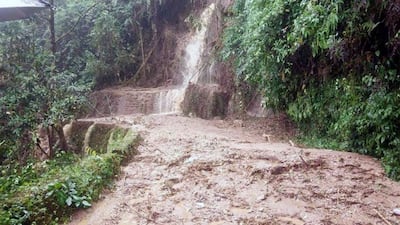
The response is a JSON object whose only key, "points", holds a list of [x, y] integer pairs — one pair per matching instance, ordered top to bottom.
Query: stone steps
{"points": [[128, 101]]}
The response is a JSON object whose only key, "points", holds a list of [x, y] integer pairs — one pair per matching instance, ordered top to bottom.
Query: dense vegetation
{"points": [[48, 65], [332, 65], [44, 81], [47, 192]]}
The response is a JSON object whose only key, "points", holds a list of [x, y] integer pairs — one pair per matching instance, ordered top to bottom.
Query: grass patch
{"points": [[313, 141]]}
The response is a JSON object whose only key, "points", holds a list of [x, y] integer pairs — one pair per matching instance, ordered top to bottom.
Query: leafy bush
{"points": [[264, 36], [332, 65], [356, 120], [47, 192]]}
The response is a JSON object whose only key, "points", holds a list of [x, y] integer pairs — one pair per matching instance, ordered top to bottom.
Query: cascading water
{"points": [[169, 101]]}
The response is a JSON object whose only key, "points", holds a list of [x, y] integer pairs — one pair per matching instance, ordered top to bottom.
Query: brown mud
{"points": [[193, 171]]}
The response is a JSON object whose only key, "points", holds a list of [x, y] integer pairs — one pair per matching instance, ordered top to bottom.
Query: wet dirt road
{"points": [[192, 171]]}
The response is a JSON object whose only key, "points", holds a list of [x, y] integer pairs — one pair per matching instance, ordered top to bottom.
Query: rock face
{"points": [[194, 80], [209, 94], [206, 101], [75, 133]]}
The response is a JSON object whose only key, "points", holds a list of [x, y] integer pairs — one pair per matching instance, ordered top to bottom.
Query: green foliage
{"points": [[315, 24], [265, 34], [106, 41], [113, 43], [98, 44], [332, 65], [36, 92], [37, 96], [356, 120], [99, 134], [122, 141], [47, 192], [67, 195]]}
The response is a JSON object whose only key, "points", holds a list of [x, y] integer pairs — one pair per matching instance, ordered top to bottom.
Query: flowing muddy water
{"points": [[161, 100], [169, 101], [192, 171]]}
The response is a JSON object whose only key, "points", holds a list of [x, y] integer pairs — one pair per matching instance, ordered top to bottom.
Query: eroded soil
{"points": [[192, 171]]}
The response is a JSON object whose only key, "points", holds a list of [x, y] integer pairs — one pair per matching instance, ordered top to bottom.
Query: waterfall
{"points": [[169, 101]]}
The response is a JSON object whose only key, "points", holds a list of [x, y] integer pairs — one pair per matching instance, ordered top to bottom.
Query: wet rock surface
{"points": [[206, 101], [192, 171]]}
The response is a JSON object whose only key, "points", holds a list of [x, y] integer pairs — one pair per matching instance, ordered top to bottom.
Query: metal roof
{"points": [[19, 9]]}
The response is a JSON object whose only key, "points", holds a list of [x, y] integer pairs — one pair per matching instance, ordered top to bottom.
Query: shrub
{"points": [[332, 65], [356, 120], [47, 192]]}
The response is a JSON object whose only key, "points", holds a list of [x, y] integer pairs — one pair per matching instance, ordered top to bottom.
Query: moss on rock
{"points": [[206, 101], [75, 134], [97, 137], [100, 138], [123, 141]]}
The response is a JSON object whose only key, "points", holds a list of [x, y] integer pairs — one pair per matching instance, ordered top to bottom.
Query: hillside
{"points": [[217, 111]]}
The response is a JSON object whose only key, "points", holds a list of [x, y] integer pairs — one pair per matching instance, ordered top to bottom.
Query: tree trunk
{"points": [[52, 29], [53, 50], [50, 138], [62, 141], [24, 147]]}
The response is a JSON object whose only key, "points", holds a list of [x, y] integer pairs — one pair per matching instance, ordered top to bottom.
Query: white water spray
{"points": [[169, 101]]}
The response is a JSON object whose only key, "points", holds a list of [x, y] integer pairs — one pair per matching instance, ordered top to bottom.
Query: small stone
{"points": [[238, 123], [191, 160], [278, 170], [261, 198], [200, 205], [396, 211]]}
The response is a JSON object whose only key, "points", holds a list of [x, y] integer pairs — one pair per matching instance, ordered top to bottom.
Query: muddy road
{"points": [[192, 171]]}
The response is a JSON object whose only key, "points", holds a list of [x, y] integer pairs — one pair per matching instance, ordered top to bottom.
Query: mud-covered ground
{"points": [[192, 171]]}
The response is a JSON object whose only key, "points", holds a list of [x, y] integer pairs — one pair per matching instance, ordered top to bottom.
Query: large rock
{"points": [[206, 101], [75, 134], [97, 138]]}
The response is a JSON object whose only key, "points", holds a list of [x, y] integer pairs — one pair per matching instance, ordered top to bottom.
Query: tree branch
{"points": [[77, 22], [144, 62], [42, 150]]}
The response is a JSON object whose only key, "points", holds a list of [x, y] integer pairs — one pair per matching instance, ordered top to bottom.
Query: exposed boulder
{"points": [[206, 101], [88, 137]]}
